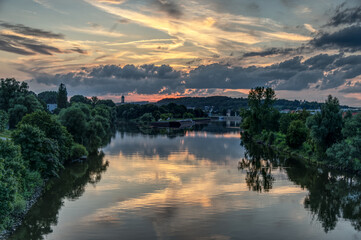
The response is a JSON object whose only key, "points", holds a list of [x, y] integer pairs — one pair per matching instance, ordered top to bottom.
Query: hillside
{"points": [[222, 102]]}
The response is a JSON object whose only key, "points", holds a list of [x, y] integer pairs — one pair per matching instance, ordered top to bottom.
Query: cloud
{"points": [[113, 1], [169, 7], [345, 16], [21, 29], [347, 39], [25, 46], [79, 50], [269, 52], [296, 74], [112, 79], [352, 89]]}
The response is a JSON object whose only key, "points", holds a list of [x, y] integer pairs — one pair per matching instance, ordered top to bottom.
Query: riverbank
{"points": [[305, 154], [18, 218]]}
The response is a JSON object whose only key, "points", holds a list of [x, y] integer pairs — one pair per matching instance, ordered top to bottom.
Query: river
{"points": [[193, 184]]}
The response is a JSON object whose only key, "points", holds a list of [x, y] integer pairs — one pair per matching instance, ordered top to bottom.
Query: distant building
{"points": [[123, 99], [51, 107]]}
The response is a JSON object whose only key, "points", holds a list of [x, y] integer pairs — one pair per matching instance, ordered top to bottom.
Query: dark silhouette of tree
{"points": [[62, 99]]}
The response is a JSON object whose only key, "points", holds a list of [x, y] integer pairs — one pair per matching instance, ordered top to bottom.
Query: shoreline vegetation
{"points": [[326, 138], [37, 145]]}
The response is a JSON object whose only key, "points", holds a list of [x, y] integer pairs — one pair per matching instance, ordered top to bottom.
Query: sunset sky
{"points": [[151, 49]]}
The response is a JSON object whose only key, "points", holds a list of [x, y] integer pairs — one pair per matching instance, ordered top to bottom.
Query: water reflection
{"points": [[184, 184], [332, 196], [44, 214]]}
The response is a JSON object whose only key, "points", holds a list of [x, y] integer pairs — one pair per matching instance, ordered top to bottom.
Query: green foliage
{"points": [[10, 89], [49, 97], [62, 98], [79, 99], [16, 100], [106, 102], [22, 105], [134, 111], [188, 115], [261, 115], [166, 116], [147, 118], [4, 120], [75, 120], [285, 121], [89, 125], [352, 126], [325, 127], [53, 130], [296, 134], [77, 151], [40, 152], [346, 154], [17, 183], [8, 187]]}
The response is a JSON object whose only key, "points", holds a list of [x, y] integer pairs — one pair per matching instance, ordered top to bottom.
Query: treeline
{"points": [[221, 103], [151, 112], [325, 137], [36, 144], [39, 144]]}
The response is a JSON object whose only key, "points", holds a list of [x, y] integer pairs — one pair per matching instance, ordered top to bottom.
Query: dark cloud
{"points": [[169, 7], [345, 16], [20, 28], [347, 39], [25, 46], [79, 50], [270, 52], [321, 61], [297, 73], [292, 74], [223, 76], [145, 79]]}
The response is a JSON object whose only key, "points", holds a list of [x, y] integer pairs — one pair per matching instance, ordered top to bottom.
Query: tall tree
{"points": [[62, 96], [261, 114], [325, 127]]}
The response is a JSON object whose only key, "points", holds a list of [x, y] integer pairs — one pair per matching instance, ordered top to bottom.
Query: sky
{"points": [[147, 50]]}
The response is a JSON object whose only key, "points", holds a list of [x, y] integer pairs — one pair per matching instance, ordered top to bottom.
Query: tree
{"points": [[9, 89], [49, 97], [62, 99], [79, 99], [94, 100], [22, 105], [261, 115], [147, 118], [4, 120], [75, 121], [325, 127], [53, 130], [296, 134], [40, 152]]}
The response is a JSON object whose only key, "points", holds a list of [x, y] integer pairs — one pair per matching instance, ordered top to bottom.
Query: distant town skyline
{"points": [[147, 50]]}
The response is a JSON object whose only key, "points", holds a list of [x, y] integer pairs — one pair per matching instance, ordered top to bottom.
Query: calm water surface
{"points": [[194, 184]]}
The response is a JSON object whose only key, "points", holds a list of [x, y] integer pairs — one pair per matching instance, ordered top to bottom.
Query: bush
{"points": [[77, 151]]}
